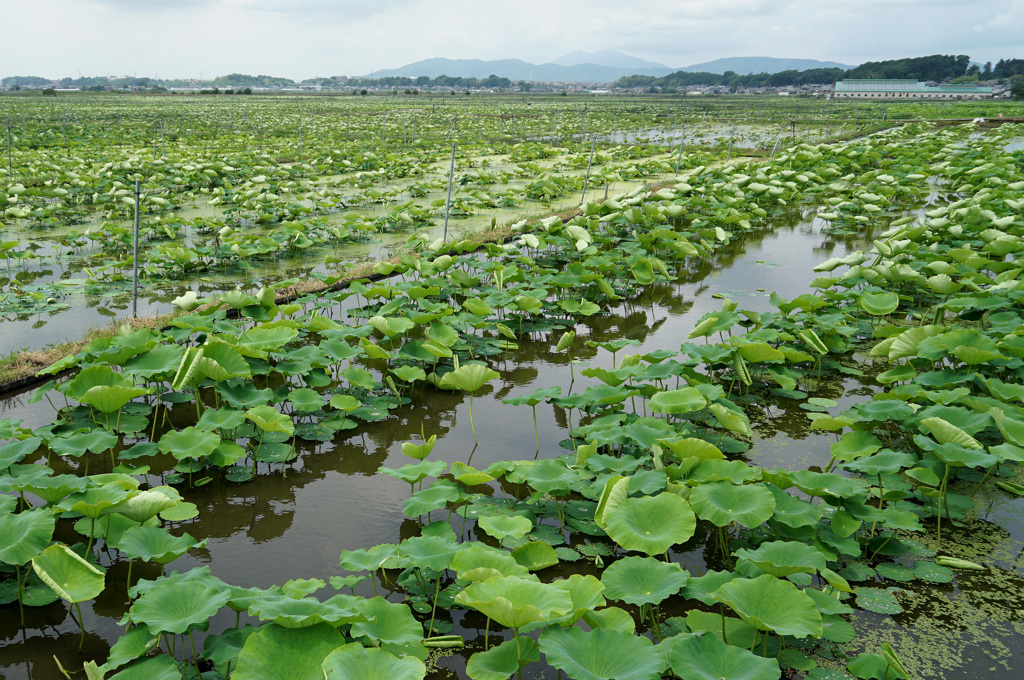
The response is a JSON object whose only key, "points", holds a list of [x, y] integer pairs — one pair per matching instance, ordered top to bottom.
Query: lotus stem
{"points": [[471, 426], [536, 436], [985, 478], [942, 501], [21, 594], [433, 606], [81, 627], [487, 634], [195, 658]]}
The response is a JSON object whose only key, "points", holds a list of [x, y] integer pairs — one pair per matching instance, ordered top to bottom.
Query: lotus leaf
{"points": [[723, 502], [651, 524], [24, 535], [782, 558], [67, 574], [642, 580], [515, 602], [771, 604], [387, 622], [276, 653], [602, 654], [705, 657], [355, 662], [498, 663]]}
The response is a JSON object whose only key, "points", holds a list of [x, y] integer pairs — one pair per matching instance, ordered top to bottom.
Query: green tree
{"points": [[1017, 88]]}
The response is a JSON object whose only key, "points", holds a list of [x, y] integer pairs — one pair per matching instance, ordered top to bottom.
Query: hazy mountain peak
{"points": [[611, 58]]}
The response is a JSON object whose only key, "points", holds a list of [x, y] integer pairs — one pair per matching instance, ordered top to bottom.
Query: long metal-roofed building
{"points": [[907, 89]]}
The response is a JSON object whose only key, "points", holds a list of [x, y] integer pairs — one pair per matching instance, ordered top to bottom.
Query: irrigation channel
{"points": [[805, 365]]}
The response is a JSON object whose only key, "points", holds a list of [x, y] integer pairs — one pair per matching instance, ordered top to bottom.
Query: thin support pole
{"points": [[300, 134], [731, 136], [679, 158], [10, 163], [586, 180], [448, 203], [135, 256]]}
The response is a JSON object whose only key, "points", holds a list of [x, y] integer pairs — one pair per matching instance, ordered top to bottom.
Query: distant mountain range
{"points": [[605, 66]]}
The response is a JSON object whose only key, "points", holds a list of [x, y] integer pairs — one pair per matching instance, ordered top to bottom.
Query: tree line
{"points": [[936, 67]]}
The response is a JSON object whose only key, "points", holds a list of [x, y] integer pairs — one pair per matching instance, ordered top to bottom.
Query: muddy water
{"points": [[293, 523]]}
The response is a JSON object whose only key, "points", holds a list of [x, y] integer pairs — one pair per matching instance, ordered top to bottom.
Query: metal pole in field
{"points": [[731, 135], [163, 140], [777, 140], [679, 158], [10, 164], [586, 180], [448, 203], [135, 255]]}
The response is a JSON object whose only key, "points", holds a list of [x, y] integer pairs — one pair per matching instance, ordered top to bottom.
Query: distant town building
{"points": [[907, 89]]}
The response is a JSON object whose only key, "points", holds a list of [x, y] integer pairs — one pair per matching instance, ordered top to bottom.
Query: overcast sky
{"points": [[306, 38]]}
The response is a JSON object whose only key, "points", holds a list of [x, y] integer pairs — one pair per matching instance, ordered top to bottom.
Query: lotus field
{"points": [[580, 433]]}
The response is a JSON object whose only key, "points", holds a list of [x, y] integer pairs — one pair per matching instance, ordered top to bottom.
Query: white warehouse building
{"points": [[907, 89]]}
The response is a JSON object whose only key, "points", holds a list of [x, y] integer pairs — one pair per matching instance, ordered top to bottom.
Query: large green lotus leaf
{"points": [[879, 304], [905, 344], [160, 360], [92, 376], [468, 377], [110, 398], [305, 400], [677, 402], [269, 419], [731, 420], [947, 433], [96, 441], [191, 443], [853, 445], [691, 447], [14, 451], [886, 462], [417, 472], [469, 475], [551, 476], [826, 484], [51, 489], [432, 498], [96, 501], [723, 502], [149, 503], [792, 511], [651, 524], [504, 526], [25, 534], [155, 544], [431, 552], [535, 555], [782, 558], [368, 559], [480, 562], [67, 574], [642, 580], [702, 587], [586, 594], [515, 602], [771, 604], [175, 606], [289, 611], [612, 618], [390, 623], [737, 631], [136, 642], [220, 650], [276, 653], [602, 654], [705, 657], [355, 662], [498, 663], [874, 666], [160, 667]]}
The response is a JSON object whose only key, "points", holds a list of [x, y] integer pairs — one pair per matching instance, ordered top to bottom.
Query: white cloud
{"points": [[302, 38]]}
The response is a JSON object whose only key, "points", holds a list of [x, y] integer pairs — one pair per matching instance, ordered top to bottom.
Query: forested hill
{"points": [[936, 67]]}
